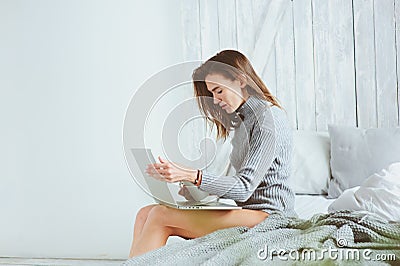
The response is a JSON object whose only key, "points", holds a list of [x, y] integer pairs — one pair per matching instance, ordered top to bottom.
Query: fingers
{"points": [[163, 165], [159, 166], [159, 170], [166, 171], [154, 173], [164, 175]]}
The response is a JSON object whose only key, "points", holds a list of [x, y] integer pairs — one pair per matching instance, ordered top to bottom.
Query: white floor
{"points": [[59, 262]]}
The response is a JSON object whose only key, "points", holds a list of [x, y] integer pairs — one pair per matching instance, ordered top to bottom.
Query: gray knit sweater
{"points": [[261, 156]]}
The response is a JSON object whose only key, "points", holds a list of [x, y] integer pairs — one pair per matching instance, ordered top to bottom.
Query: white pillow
{"points": [[358, 153], [310, 165], [379, 194]]}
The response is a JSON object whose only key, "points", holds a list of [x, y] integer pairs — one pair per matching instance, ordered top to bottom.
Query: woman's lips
{"points": [[224, 106]]}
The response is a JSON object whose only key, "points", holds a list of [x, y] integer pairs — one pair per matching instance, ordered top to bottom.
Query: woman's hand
{"points": [[171, 172], [185, 193]]}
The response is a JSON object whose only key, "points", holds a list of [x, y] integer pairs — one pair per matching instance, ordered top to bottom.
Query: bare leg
{"points": [[141, 218], [163, 222], [154, 234]]}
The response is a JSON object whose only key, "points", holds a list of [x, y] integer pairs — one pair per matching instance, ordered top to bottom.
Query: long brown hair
{"points": [[230, 64]]}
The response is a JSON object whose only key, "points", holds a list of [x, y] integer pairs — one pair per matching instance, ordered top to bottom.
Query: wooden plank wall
{"points": [[328, 62]]}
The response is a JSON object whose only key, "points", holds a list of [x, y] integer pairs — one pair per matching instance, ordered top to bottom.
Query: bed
{"points": [[329, 171]]}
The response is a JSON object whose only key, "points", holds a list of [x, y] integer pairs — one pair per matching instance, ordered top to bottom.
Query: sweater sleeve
{"points": [[240, 187]]}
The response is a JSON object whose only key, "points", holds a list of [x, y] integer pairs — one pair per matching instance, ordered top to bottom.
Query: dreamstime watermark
{"points": [[340, 253]]}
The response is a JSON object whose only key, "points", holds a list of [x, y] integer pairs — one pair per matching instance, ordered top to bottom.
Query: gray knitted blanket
{"points": [[339, 238]]}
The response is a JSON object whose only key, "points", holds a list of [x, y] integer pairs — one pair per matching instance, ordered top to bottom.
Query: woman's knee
{"points": [[143, 213], [158, 214]]}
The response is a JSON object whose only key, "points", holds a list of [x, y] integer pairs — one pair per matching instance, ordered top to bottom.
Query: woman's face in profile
{"points": [[228, 94]]}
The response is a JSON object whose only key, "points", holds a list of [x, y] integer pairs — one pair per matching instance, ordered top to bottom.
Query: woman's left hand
{"points": [[171, 172]]}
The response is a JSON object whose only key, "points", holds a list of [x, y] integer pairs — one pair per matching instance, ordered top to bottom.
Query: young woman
{"points": [[261, 155]]}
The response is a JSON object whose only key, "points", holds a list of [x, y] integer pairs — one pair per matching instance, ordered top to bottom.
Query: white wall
{"points": [[67, 72]]}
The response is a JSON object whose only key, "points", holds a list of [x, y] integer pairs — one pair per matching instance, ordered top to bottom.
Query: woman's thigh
{"points": [[196, 223]]}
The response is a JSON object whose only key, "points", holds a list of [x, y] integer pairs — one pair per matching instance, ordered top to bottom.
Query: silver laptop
{"points": [[162, 194]]}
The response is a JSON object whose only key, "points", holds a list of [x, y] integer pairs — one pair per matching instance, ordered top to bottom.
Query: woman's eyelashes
{"points": [[218, 90]]}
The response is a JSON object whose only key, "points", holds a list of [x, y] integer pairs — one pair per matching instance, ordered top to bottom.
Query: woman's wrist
{"points": [[191, 176], [195, 177]]}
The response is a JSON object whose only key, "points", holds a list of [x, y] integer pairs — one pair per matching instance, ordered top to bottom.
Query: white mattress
{"points": [[308, 205]]}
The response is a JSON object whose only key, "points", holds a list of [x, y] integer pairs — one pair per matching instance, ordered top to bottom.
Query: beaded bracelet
{"points": [[197, 181]]}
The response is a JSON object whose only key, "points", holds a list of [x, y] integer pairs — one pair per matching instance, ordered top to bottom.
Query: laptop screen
{"points": [[158, 189]]}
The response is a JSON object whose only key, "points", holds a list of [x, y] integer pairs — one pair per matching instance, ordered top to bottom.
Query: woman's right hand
{"points": [[185, 193]]}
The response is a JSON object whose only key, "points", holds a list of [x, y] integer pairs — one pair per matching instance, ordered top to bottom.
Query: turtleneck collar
{"points": [[254, 105]]}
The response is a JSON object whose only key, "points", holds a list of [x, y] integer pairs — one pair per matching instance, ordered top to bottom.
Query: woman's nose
{"points": [[216, 100]]}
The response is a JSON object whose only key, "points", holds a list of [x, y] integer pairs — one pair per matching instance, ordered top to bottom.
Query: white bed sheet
{"points": [[308, 205]]}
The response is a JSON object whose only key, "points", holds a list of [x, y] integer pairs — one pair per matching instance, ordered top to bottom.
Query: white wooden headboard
{"points": [[334, 61]]}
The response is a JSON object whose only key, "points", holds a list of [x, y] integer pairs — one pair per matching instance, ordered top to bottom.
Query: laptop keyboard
{"points": [[196, 203]]}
